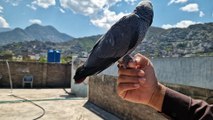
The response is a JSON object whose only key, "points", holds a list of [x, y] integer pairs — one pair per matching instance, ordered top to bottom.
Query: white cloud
{"points": [[177, 1], [13, 2], [132, 2], [44, 3], [31, 6], [87, 7], [192, 7], [1, 9], [62, 10], [97, 10], [201, 14], [108, 19], [35, 21], [3, 23], [181, 24], [167, 26]]}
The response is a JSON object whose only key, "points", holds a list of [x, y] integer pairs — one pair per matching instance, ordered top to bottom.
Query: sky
{"points": [[80, 18]]}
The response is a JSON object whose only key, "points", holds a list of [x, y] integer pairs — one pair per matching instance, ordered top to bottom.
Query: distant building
{"points": [[43, 54], [37, 56], [6, 57], [31, 57], [34, 57], [17, 58]]}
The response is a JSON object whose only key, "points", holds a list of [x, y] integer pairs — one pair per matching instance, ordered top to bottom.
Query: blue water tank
{"points": [[50, 56], [53, 56], [57, 56]]}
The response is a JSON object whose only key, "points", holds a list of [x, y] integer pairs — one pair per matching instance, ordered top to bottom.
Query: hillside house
{"points": [[17, 58]]}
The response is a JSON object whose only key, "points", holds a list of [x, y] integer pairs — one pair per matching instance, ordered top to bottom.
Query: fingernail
{"points": [[137, 59], [141, 73], [142, 80], [136, 85]]}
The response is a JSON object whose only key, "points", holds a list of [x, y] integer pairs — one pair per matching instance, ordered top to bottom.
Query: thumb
{"points": [[141, 61]]}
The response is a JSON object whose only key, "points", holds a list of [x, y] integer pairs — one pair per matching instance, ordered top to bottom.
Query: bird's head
{"points": [[145, 10]]}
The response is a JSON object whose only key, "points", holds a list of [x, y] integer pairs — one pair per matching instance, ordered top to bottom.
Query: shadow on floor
{"points": [[68, 94], [100, 112]]}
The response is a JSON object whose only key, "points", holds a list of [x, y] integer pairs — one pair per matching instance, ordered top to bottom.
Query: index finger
{"points": [[141, 60], [132, 64], [131, 72]]}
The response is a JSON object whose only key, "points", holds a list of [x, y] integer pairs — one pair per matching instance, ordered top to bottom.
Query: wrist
{"points": [[156, 101]]}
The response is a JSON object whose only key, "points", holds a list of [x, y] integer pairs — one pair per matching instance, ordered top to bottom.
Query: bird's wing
{"points": [[115, 43]]}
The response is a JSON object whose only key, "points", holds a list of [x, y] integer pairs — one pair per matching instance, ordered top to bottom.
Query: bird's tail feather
{"points": [[82, 72]]}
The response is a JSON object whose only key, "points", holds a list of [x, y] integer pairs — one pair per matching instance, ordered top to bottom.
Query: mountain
{"points": [[4, 29], [33, 32], [46, 33], [16, 35], [196, 40], [77, 45]]}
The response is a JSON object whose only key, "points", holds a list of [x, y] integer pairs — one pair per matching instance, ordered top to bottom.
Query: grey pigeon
{"points": [[119, 41]]}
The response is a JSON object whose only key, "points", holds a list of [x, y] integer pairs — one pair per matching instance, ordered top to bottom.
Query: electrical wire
{"points": [[11, 88], [37, 100], [43, 110]]}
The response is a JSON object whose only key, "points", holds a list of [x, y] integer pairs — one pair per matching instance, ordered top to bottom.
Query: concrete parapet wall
{"points": [[192, 71], [50, 75], [190, 76], [81, 89], [102, 92], [194, 92]]}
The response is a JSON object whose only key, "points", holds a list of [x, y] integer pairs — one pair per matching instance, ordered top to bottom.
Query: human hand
{"points": [[138, 83]]}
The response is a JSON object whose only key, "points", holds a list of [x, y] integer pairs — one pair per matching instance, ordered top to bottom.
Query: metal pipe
{"points": [[9, 73]]}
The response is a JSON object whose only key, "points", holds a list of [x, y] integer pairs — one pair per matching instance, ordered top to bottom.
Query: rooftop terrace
{"points": [[57, 104]]}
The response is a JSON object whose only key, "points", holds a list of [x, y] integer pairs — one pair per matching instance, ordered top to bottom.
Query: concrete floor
{"points": [[57, 105]]}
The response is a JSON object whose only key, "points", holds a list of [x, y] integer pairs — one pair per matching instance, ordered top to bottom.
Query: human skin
{"points": [[138, 83]]}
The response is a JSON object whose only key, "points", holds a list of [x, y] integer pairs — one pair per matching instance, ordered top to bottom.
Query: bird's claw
{"points": [[125, 61]]}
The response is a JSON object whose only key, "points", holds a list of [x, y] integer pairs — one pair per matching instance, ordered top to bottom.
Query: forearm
{"points": [[157, 98], [179, 106]]}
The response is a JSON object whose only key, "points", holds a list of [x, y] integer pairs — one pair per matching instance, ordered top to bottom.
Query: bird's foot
{"points": [[124, 61]]}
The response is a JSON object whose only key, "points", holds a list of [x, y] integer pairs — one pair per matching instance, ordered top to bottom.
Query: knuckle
{"points": [[138, 72]]}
